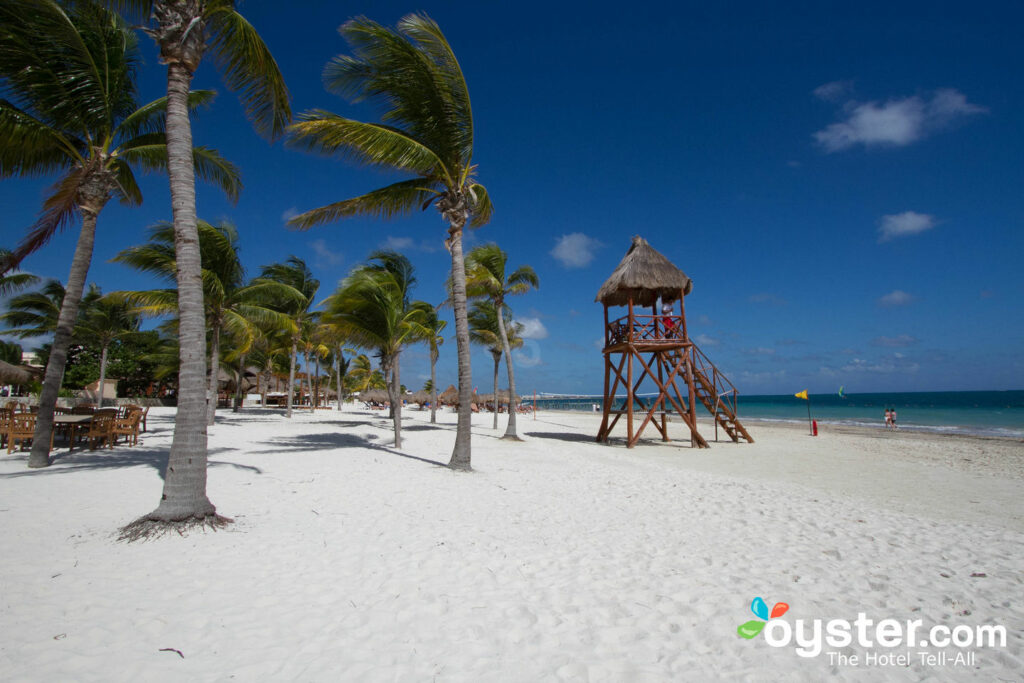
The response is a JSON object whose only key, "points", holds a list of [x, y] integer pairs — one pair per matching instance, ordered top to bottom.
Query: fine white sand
{"points": [[557, 559]]}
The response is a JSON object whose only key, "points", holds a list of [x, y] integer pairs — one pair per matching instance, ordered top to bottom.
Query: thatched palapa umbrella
{"points": [[13, 374], [449, 396]]}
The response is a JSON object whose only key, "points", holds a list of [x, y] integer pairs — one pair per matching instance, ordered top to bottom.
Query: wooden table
{"points": [[71, 421]]}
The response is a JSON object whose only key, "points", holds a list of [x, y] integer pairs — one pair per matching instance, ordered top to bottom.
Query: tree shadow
{"points": [[565, 436], [332, 440], [119, 458]]}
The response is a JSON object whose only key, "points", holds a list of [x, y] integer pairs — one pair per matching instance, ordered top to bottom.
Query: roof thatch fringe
{"points": [[643, 275], [13, 374]]}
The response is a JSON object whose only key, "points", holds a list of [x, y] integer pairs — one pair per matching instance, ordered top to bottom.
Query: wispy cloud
{"points": [[834, 91], [896, 122], [288, 214], [903, 224], [407, 244], [575, 250], [325, 256], [896, 297], [533, 328], [705, 340], [896, 342], [759, 351], [897, 362]]}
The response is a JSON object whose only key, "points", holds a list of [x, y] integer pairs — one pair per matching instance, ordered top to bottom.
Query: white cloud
{"points": [[834, 91], [895, 122], [289, 214], [903, 224], [398, 243], [575, 250], [324, 255], [896, 297], [767, 298], [533, 328], [705, 340], [898, 341], [759, 351], [895, 363]]}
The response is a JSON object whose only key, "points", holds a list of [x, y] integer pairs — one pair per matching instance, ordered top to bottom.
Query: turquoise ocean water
{"points": [[984, 413]]}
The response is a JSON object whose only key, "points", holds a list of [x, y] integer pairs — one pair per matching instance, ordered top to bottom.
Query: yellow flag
{"points": [[803, 395]]}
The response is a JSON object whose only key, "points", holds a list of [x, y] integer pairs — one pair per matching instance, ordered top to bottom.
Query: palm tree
{"points": [[184, 30], [72, 108], [426, 131], [296, 274], [485, 277], [11, 283], [229, 303], [373, 309], [35, 314], [104, 321], [435, 327], [485, 330], [10, 352], [361, 375]]}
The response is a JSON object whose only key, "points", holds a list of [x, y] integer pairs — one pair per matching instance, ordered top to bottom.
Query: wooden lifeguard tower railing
{"points": [[642, 350]]}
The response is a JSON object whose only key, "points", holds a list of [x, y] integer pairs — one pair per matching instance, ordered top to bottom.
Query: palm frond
{"points": [[249, 69], [152, 117], [368, 143], [39, 148], [127, 187], [397, 199], [481, 208], [58, 210]]}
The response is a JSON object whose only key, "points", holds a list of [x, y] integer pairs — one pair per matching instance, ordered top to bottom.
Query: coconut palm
{"points": [[185, 30], [71, 109], [425, 131], [296, 274], [485, 277], [11, 283], [229, 303], [373, 309], [34, 314], [105, 320], [435, 327], [485, 330], [10, 352], [361, 375]]}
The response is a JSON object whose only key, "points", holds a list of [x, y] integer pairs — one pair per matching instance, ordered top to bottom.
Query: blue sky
{"points": [[843, 185]]}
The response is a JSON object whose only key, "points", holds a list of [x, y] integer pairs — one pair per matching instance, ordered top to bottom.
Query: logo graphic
{"points": [[760, 610]]}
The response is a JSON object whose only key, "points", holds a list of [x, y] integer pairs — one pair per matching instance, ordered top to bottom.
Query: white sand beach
{"points": [[557, 559]]}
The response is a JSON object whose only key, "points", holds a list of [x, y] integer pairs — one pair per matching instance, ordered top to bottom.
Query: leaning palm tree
{"points": [[184, 30], [71, 107], [426, 131], [296, 274], [485, 277], [229, 303], [373, 309], [104, 321], [435, 327], [485, 330]]}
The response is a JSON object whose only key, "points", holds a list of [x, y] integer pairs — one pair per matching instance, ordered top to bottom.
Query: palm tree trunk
{"points": [[497, 361], [103, 373], [337, 373], [291, 378], [308, 382], [238, 384], [433, 386], [214, 390], [263, 391], [394, 392], [316, 396], [510, 430], [43, 435], [462, 453], [184, 494]]}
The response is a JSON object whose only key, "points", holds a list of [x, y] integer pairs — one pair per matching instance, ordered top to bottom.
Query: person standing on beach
{"points": [[892, 418], [888, 419]]}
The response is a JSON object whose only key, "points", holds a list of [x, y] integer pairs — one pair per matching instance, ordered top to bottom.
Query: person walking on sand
{"points": [[892, 418], [888, 419]]}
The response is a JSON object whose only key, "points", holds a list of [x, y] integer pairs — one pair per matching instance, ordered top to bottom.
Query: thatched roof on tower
{"points": [[643, 275]]}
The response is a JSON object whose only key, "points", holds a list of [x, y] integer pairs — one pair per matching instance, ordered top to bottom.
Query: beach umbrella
{"points": [[449, 396]]}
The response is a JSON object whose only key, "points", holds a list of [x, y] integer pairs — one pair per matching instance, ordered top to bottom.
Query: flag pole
{"points": [[810, 427]]}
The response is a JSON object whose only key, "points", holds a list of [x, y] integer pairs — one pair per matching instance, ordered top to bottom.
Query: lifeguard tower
{"points": [[651, 359]]}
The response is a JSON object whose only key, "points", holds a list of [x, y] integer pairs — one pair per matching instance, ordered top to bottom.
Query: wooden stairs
{"points": [[718, 395]]}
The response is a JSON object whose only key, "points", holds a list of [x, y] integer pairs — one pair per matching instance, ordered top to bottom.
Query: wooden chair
{"points": [[145, 412], [6, 414], [127, 426], [22, 428], [100, 429]]}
